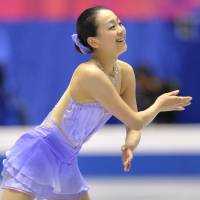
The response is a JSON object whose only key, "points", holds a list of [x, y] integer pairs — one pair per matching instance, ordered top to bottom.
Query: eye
{"points": [[120, 23], [112, 27]]}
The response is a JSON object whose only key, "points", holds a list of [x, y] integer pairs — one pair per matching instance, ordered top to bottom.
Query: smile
{"points": [[121, 40]]}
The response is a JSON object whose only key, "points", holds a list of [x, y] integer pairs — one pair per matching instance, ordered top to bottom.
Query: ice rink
{"points": [[166, 165], [151, 188]]}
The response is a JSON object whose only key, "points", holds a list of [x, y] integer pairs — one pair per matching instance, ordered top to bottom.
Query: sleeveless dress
{"points": [[43, 162]]}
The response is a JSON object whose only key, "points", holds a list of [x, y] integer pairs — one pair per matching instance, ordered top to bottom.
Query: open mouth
{"points": [[120, 40]]}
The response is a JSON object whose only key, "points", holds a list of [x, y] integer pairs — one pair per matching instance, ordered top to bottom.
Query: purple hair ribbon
{"points": [[83, 49]]}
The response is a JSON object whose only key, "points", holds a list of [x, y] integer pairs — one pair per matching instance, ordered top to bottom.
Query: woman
{"points": [[43, 162]]}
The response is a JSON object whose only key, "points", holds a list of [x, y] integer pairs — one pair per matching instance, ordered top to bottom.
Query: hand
{"points": [[171, 102], [127, 156]]}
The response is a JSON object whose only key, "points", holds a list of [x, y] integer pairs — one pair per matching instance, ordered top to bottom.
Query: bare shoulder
{"points": [[87, 68], [126, 68], [92, 71], [88, 72], [127, 74], [86, 76]]}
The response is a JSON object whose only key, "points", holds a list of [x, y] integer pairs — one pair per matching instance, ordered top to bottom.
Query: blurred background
{"points": [[37, 59]]}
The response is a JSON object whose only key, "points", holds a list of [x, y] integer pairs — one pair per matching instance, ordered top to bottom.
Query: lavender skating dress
{"points": [[43, 162]]}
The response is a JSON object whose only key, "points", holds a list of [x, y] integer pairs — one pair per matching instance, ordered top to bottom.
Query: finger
{"points": [[172, 93], [185, 99], [181, 101], [184, 104], [180, 108], [124, 159], [127, 163], [127, 167]]}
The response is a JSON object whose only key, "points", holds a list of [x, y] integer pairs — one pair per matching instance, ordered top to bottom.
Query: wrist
{"points": [[156, 107], [127, 146], [130, 146]]}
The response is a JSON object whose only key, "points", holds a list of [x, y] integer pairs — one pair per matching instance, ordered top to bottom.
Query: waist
{"points": [[49, 124], [56, 142]]}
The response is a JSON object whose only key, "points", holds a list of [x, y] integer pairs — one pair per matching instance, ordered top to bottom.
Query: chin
{"points": [[122, 50]]}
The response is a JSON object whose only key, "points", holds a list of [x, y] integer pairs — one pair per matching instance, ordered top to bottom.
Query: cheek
{"points": [[124, 29], [111, 36], [108, 38]]}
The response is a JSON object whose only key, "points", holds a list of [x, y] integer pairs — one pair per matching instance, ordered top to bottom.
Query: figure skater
{"points": [[43, 162]]}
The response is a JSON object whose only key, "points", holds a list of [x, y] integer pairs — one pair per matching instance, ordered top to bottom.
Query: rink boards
{"points": [[164, 150]]}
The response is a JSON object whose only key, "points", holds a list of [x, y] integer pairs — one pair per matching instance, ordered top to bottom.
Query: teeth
{"points": [[121, 40]]}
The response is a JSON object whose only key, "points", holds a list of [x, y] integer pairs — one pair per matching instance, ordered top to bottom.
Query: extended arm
{"points": [[94, 82]]}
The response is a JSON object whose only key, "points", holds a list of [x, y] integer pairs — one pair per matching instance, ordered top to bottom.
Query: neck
{"points": [[107, 62]]}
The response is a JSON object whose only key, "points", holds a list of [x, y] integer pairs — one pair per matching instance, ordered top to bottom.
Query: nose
{"points": [[120, 30]]}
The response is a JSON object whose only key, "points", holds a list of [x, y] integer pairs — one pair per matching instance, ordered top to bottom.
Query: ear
{"points": [[93, 42]]}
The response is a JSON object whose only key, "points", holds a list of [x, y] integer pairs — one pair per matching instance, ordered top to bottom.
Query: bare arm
{"points": [[96, 83], [129, 96], [132, 136]]}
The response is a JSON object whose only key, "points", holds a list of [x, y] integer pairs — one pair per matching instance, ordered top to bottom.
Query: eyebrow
{"points": [[110, 21]]}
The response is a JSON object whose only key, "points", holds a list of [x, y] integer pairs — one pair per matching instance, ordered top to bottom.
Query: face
{"points": [[111, 34]]}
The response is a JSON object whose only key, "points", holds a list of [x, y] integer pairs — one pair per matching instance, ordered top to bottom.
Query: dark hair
{"points": [[86, 26]]}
